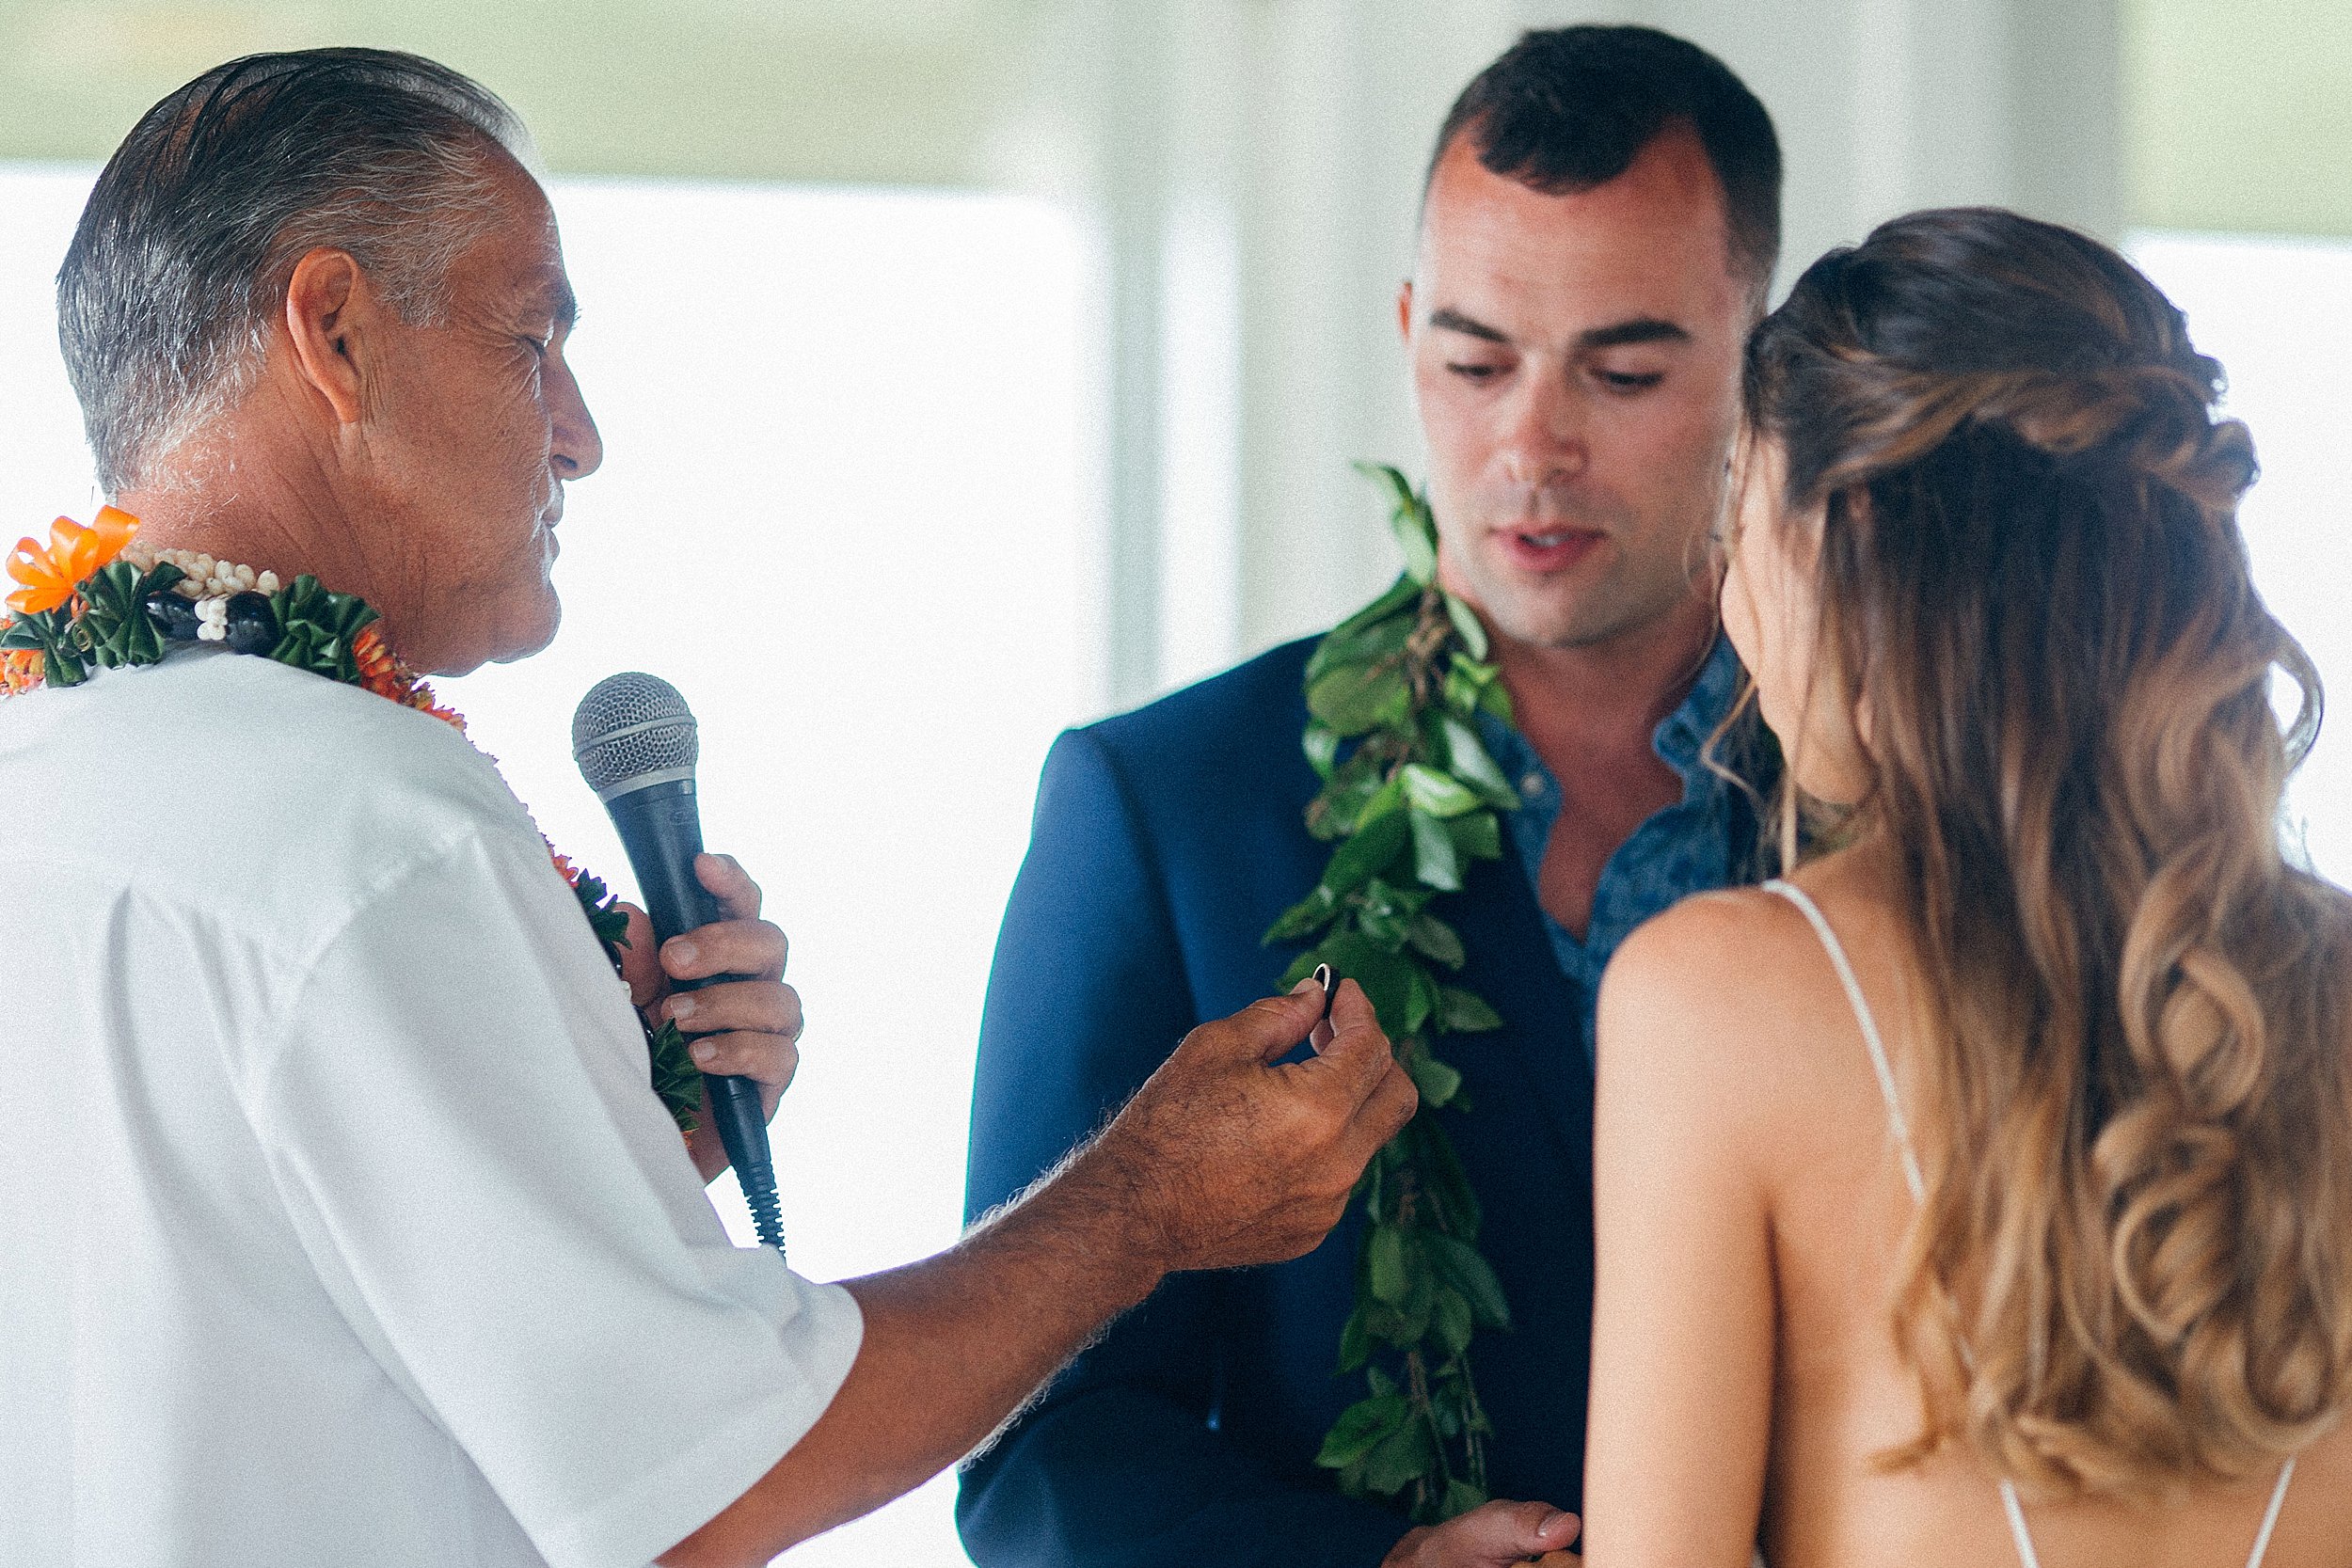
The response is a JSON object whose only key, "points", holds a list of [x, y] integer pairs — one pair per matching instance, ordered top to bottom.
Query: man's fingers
{"points": [[729, 882], [752, 948], [759, 1006], [1268, 1030], [1358, 1053], [768, 1060], [1383, 1115], [1512, 1531]]}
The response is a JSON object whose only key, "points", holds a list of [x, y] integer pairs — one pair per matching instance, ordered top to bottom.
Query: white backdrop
{"points": [[2278, 314]]}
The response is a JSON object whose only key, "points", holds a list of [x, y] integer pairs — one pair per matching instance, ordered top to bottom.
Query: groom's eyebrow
{"points": [[1637, 329], [1641, 330]]}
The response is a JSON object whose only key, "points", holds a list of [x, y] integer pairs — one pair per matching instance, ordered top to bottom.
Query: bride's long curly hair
{"points": [[2134, 1263]]}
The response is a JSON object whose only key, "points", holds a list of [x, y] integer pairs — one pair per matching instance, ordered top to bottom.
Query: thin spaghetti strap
{"points": [[1885, 1071], [1902, 1131], [2270, 1518], [2017, 1530]]}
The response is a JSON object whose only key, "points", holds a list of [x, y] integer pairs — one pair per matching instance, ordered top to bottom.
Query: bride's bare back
{"points": [[1746, 1374]]}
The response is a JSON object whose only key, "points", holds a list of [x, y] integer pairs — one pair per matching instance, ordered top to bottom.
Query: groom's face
{"points": [[1575, 363]]}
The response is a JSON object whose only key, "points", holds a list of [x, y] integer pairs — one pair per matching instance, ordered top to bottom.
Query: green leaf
{"points": [[1388, 475], [1419, 543], [1401, 593], [114, 623], [1466, 627], [315, 628], [1367, 642], [1354, 698], [1497, 701], [1322, 745], [1469, 761], [1435, 793], [1340, 809], [1477, 837], [1366, 855], [1436, 860], [1308, 914], [1382, 921], [1434, 939], [1386, 978], [1420, 1002], [1462, 1012], [676, 1078], [1436, 1082], [1441, 1171], [1384, 1260], [1471, 1274], [1450, 1321], [1355, 1343], [1362, 1427], [1399, 1460], [1460, 1497]]}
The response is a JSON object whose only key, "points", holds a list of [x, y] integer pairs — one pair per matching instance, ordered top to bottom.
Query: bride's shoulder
{"points": [[1710, 948], [1719, 1006]]}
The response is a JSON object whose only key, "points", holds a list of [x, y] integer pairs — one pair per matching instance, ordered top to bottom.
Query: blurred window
{"points": [[2278, 314]]}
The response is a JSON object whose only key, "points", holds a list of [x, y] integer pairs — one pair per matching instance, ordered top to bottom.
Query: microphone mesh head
{"points": [[632, 730]]}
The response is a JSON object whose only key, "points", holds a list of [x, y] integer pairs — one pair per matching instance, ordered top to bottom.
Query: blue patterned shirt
{"points": [[1701, 842]]}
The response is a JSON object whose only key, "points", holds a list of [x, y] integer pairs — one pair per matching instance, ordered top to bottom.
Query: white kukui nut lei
{"points": [[206, 578]]}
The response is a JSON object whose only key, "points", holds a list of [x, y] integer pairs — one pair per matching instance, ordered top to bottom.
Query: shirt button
{"points": [[1532, 785]]}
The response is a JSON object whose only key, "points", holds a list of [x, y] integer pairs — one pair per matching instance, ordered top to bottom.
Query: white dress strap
{"points": [[1870, 1038], [1917, 1182], [2270, 1516]]}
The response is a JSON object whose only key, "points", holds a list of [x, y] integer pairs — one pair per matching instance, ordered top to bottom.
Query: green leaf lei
{"points": [[122, 615], [1410, 799]]}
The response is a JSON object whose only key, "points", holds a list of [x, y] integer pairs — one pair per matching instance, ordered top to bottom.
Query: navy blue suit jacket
{"points": [[1165, 842]]}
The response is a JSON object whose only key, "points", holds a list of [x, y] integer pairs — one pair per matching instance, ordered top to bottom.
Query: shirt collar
{"points": [[1679, 739]]}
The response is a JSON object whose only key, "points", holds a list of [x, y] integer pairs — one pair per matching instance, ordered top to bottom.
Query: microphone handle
{"points": [[660, 829]]}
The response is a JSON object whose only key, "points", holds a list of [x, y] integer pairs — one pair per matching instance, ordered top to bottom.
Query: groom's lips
{"points": [[1549, 550]]}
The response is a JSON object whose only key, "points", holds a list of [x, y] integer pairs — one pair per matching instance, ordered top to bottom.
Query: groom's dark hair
{"points": [[1569, 108]]}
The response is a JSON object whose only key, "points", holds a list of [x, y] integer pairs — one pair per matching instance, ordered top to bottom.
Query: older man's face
{"points": [[482, 424]]}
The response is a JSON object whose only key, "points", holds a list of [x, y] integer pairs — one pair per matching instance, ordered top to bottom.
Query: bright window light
{"points": [[2278, 314], [840, 509]]}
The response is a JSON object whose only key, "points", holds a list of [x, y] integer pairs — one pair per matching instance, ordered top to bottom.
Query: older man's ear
{"points": [[332, 315]]}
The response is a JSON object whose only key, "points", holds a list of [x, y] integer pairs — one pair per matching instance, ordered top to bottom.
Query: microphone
{"points": [[634, 739]]}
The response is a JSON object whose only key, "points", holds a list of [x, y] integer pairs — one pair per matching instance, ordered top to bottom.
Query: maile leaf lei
{"points": [[79, 607], [1410, 799]]}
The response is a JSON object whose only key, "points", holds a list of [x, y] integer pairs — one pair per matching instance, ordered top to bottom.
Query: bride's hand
{"points": [[1497, 1535]]}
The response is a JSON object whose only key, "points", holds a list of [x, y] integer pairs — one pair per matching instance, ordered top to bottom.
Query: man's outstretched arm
{"points": [[1223, 1159]]}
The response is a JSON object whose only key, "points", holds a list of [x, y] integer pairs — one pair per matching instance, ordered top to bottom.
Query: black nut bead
{"points": [[174, 615], [252, 625]]}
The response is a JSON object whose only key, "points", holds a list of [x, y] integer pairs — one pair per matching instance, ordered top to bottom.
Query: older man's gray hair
{"points": [[182, 255]]}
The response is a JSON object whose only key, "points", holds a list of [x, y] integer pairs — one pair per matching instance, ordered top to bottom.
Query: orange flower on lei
{"points": [[50, 574], [21, 669], [381, 673]]}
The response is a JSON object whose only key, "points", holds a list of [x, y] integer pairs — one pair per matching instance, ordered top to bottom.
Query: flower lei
{"points": [[92, 599], [1411, 803]]}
